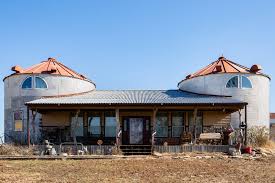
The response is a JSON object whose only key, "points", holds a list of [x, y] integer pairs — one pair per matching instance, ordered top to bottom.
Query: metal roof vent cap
{"points": [[221, 58], [51, 59], [218, 68], [255, 68], [17, 69], [188, 76]]}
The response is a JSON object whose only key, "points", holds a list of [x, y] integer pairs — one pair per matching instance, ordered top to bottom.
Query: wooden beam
{"points": [[140, 107], [34, 113], [245, 120], [154, 121], [75, 123], [85, 123], [102, 124], [195, 125], [28, 127], [118, 129]]}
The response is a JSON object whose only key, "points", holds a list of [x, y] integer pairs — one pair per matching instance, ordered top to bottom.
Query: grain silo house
{"points": [[50, 101]]}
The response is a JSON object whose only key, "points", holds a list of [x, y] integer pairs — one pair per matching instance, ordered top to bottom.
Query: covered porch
{"points": [[135, 124]]}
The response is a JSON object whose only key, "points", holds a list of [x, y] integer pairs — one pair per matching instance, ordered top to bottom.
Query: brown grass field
{"points": [[139, 170]]}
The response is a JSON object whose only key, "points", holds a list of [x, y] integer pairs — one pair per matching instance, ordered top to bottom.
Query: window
{"points": [[233, 82], [239, 82], [246, 82], [27, 83], [40, 83], [18, 121], [199, 122], [177, 123], [110, 124], [162, 125], [77, 126], [94, 128]]}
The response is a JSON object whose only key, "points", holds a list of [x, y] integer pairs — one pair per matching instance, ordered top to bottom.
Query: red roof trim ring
{"points": [[228, 67], [43, 68]]}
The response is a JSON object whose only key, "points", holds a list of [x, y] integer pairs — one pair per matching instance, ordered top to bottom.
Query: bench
{"points": [[210, 138]]}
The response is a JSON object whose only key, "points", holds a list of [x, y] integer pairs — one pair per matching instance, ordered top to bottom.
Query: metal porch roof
{"points": [[168, 97]]}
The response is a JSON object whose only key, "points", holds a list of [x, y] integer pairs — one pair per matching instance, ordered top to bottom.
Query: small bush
{"points": [[258, 136], [270, 144], [12, 150]]}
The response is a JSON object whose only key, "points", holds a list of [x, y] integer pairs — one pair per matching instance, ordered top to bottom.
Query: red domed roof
{"points": [[222, 65], [51, 66]]}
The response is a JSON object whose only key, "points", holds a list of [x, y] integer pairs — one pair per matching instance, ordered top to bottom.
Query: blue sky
{"points": [[136, 44]]}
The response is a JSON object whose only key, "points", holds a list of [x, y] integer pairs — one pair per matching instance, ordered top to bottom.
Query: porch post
{"points": [[245, 120], [154, 121], [75, 123], [33, 125], [195, 125], [28, 127], [118, 130]]}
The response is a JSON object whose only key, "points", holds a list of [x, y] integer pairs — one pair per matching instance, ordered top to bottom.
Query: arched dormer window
{"points": [[233, 82], [239, 82], [40, 83], [246, 83], [27, 84]]}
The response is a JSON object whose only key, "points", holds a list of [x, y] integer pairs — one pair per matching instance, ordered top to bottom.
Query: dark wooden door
{"points": [[136, 131]]}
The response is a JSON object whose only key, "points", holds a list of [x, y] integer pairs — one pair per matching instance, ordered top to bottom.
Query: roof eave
{"points": [[13, 74], [260, 74], [140, 104]]}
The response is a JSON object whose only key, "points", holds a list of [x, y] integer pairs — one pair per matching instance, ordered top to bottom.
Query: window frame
{"points": [[230, 80], [241, 82], [34, 83], [109, 114], [161, 114], [173, 115], [90, 116], [22, 120], [199, 124], [79, 126]]}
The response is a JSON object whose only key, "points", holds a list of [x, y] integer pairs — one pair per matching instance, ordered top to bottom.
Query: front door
{"points": [[136, 130]]}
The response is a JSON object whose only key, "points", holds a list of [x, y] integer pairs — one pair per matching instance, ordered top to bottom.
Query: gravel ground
{"points": [[149, 169]]}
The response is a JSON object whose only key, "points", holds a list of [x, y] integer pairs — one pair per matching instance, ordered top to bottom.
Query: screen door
{"points": [[136, 130]]}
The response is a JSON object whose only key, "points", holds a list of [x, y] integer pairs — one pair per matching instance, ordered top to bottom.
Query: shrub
{"points": [[258, 136], [12, 150]]}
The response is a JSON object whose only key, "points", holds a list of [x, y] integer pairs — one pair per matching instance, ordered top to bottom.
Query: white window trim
{"points": [[232, 78], [24, 81], [241, 82], [34, 83]]}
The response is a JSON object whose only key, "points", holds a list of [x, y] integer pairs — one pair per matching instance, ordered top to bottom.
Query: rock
{"points": [[53, 152], [80, 152], [234, 152], [157, 154], [264, 154], [185, 157]]}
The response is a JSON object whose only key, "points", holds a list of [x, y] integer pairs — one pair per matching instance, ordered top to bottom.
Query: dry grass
{"points": [[258, 136], [269, 144], [12, 150], [139, 170]]}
